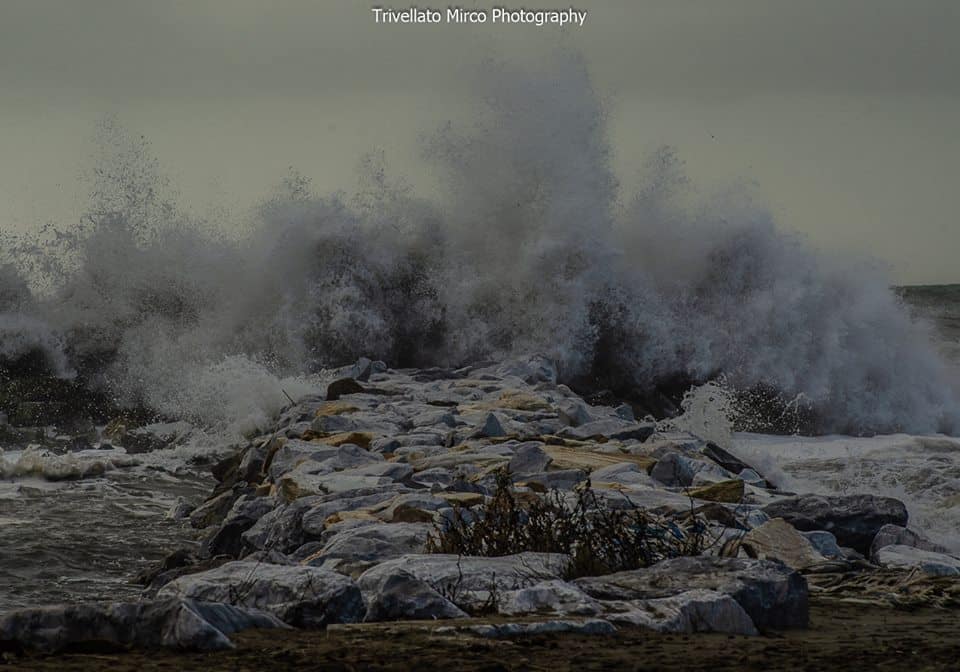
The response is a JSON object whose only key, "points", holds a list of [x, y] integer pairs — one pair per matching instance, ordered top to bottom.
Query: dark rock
{"points": [[342, 387], [730, 462], [853, 519], [175, 623]]}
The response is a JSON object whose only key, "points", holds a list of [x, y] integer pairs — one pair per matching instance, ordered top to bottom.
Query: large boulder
{"points": [[853, 519], [895, 535], [778, 540], [467, 581], [772, 594], [297, 595], [400, 595], [687, 612], [177, 623]]}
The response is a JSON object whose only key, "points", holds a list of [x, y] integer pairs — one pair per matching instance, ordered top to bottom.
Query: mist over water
{"points": [[533, 247]]}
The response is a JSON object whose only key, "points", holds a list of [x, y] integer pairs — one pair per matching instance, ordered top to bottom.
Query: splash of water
{"points": [[532, 248]]}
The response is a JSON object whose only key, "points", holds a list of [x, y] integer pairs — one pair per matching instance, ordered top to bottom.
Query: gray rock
{"points": [[362, 369], [531, 370], [574, 412], [491, 427], [611, 428], [295, 452], [529, 458], [674, 470], [625, 473], [438, 475], [180, 509], [853, 519], [313, 521], [280, 529], [895, 535], [375, 542], [825, 544], [928, 562], [468, 581], [400, 595], [773, 595], [299, 596], [555, 597], [688, 612], [175, 623]]}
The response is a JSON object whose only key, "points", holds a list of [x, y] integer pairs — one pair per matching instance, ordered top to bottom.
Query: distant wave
{"points": [[533, 248]]}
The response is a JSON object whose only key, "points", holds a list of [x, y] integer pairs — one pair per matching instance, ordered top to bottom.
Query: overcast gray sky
{"points": [[844, 113]]}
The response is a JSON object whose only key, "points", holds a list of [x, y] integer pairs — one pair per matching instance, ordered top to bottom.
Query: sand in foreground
{"points": [[841, 637]]}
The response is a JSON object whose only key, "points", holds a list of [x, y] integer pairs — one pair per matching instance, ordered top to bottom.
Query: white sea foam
{"points": [[533, 247], [921, 471]]}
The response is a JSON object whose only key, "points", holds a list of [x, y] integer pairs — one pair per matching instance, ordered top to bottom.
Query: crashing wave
{"points": [[531, 248]]}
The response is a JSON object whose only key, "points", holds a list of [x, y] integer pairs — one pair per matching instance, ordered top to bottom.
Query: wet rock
{"points": [[361, 370], [155, 437], [727, 460], [180, 509], [213, 510], [853, 519], [280, 529], [895, 535], [228, 538], [772, 594], [299, 596], [175, 623]]}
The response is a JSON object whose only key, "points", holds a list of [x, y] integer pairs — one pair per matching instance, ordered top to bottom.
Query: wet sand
{"points": [[841, 637]]}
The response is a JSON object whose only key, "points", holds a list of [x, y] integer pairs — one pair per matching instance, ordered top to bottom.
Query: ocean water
{"points": [[528, 245]]}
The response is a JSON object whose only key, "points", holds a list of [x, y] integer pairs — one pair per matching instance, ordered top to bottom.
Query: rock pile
{"points": [[328, 518]]}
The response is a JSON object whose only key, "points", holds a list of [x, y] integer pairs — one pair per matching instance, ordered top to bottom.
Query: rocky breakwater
{"points": [[495, 500]]}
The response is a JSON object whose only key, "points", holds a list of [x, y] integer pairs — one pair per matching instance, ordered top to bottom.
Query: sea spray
{"points": [[532, 247]]}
